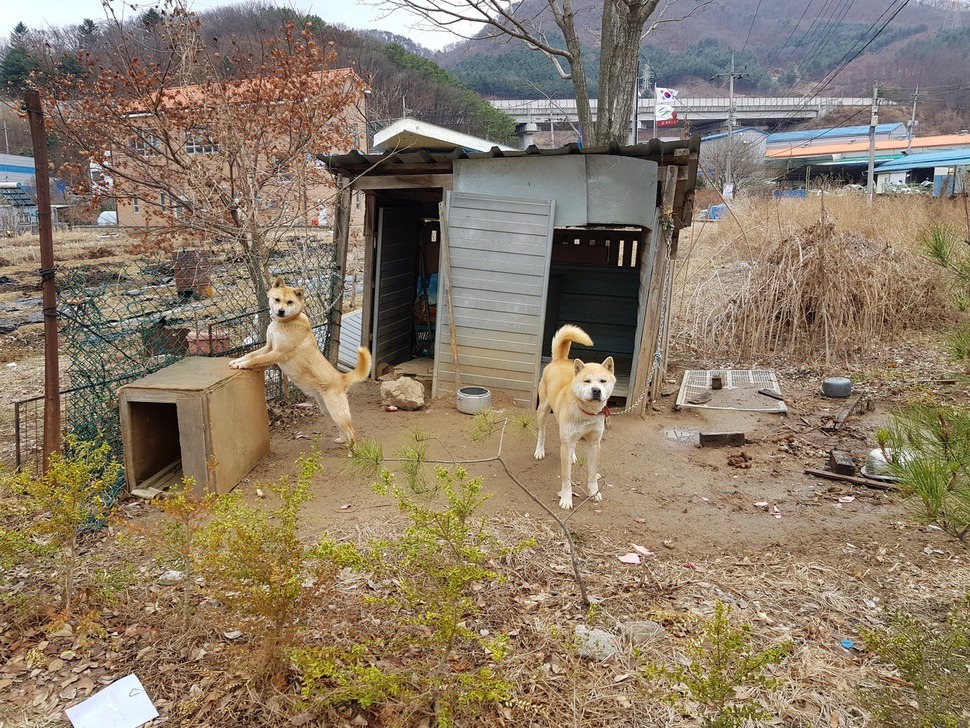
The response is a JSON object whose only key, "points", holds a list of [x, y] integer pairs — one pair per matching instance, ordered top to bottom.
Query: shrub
{"points": [[943, 245], [929, 449], [64, 502], [178, 545], [255, 564], [425, 579], [721, 662], [933, 664]]}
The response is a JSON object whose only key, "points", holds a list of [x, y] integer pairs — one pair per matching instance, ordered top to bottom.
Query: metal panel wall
{"points": [[498, 254], [396, 275]]}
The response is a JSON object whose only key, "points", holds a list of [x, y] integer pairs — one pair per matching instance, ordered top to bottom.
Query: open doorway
{"points": [[594, 282], [405, 301]]}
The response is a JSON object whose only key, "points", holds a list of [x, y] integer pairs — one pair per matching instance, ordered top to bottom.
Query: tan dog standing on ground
{"points": [[291, 345], [577, 394]]}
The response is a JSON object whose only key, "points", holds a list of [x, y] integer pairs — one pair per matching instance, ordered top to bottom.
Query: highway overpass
{"points": [[704, 114]]}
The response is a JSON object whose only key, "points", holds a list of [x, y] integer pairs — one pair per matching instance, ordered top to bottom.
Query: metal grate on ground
{"points": [[739, 390]]}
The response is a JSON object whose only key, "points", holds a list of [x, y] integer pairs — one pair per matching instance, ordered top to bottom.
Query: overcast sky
{"points": [[55, 13]]}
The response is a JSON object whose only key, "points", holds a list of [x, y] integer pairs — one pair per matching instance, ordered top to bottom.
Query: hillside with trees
{"points": [[796, 49], [402, 81]]}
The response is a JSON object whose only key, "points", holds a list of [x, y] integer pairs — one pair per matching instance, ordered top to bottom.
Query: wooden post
{"points": [[341, 237], [446, 268], [370, 270], [652, 323], [52, 385]]}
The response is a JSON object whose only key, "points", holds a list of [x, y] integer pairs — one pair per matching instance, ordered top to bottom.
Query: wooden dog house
{"points": [[517, 243]]}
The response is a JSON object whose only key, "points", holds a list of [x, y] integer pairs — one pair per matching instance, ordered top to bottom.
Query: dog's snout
{"points": [[281, 312], [597, 392]]}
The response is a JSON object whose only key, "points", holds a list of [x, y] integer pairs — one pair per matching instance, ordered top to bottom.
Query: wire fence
{"points": [[120, 324]]}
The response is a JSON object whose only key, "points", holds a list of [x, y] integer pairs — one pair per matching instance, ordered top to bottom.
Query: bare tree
{"points": [[623, 26], [216, 146], [747, 166]]}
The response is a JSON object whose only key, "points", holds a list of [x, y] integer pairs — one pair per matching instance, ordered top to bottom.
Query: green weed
{"points": [[930, 456], [59, 505], [934, 664], [722, 666]]}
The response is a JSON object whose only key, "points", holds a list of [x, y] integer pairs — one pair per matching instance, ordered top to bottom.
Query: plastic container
{"points": [[839, 387], [472, 400]]}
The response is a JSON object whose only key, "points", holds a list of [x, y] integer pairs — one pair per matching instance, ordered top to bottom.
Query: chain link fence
{"points": [[120, 323]]}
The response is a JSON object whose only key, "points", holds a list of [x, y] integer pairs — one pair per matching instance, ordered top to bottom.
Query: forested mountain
{"points": [[780, 47], [798, 47], [803, 47], [399, 78]]}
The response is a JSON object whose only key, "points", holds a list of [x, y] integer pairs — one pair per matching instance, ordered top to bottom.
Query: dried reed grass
{"points": [[837, 282]]}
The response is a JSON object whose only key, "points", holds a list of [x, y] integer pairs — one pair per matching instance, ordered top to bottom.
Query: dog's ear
{"points": [[278, 282], [298, 292], [608, 364], [578, 366]]}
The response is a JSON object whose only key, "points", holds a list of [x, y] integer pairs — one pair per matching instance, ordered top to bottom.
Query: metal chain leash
{"points": [[658, 349]]}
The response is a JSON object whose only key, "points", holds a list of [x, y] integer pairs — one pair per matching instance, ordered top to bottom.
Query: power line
{"points": [[750, 27], [851, 54]]}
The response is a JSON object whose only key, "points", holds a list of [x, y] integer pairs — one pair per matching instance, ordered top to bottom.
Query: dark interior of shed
{"points": [[594, 282]]}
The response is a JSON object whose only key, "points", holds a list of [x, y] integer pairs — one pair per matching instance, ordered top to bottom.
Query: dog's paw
{"points": [[237, 364], [540, 452], [594, 492], [566, 501]]}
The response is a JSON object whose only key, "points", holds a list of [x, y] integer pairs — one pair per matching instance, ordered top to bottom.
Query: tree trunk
{"points": [[567, 25], [620, 33], [256, 266]]}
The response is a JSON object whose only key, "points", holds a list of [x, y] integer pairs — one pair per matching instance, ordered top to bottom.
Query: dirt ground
{"points": [[661, 489], [798, 556]]}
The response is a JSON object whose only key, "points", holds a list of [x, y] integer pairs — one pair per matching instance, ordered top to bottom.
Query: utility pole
{"points": [[873, 121], [912, 122], [728, 167], [728, 176]]}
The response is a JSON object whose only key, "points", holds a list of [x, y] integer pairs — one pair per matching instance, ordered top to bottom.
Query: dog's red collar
{"points": [[605, 412]]}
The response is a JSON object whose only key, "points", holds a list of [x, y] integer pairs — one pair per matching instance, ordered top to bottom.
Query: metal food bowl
{"points": [[837, 387], [472, 400]]}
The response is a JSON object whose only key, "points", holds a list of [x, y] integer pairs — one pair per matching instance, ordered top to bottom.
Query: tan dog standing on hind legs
{"points": [[290, 344], [577, 394]]}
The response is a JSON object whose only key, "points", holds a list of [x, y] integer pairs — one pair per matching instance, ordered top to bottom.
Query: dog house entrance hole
{"points": [[156, 457]]}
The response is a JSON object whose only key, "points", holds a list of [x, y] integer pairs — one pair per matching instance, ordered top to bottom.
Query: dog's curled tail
{"points": [[567, 335], [360, 372]]}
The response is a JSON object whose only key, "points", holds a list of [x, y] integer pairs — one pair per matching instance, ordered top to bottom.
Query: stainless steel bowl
{"points": [[472, 400]]}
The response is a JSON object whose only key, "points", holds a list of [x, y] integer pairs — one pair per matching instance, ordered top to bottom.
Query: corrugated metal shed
{"points": [[808, 135], [949, 158], [421, 162], [487, 224]]}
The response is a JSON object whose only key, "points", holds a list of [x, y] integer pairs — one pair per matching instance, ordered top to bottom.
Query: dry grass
{"points": [[69, 245], [823, 279], [198, 677]]}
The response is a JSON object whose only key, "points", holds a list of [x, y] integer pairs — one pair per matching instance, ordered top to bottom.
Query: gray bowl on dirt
{"points": [[838, 387], [472, 400]]}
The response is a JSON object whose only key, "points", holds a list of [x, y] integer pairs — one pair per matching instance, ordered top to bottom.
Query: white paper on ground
{"points": [[123, 704]]}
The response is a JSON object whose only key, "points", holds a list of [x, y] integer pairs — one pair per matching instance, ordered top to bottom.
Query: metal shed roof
{"points": [[838, 131], [417, 134], [424, 161], [922, 161], [415, 163], [16, 196]]}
